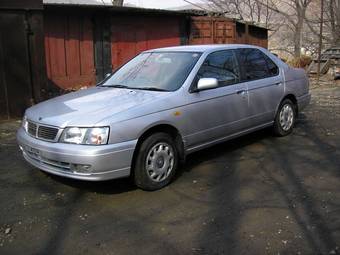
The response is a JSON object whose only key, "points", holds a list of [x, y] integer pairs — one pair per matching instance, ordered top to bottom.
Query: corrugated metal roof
{"points": [[79, 2], [106, 4]]}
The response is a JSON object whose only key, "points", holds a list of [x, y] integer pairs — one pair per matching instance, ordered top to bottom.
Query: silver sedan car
{"points": [[162, 105]]}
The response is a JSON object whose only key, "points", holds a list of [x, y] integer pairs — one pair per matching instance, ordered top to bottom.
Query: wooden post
{"points": [[320, 39]]}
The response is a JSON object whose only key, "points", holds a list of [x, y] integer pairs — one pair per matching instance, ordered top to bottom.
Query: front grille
{"points": [[32, 128], [42, 131], [47, 133]]}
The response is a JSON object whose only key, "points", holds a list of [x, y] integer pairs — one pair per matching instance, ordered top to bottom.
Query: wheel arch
{"points": [[292, 98], [164, 128]]}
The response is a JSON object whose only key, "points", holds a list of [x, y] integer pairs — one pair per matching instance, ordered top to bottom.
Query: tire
{"points": [[285, 118], [156, 162]]}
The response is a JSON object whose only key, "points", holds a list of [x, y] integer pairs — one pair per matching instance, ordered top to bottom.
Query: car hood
{"points": [[87, 107]]}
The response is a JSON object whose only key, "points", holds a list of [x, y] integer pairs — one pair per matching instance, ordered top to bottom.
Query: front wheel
{"points": [[285, 118], [156, 162]]}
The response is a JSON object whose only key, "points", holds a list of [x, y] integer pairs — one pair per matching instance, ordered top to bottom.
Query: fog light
{"points": [[81, 168]]}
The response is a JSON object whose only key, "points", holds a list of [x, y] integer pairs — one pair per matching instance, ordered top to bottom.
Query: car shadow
{"points": [[216, 151], [115, 186]]}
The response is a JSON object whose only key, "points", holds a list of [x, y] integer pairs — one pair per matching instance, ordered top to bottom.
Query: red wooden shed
{"points": [[83, 43]]}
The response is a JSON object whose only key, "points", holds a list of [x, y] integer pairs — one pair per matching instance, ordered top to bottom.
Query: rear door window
{"points": [[256, 65]]}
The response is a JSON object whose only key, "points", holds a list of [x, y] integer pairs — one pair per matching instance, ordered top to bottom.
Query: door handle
{"points": [[278, 83], [241, 92]]}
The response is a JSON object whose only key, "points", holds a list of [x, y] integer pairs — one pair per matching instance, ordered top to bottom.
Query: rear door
{"points": [[264, 82], [219, 112]]}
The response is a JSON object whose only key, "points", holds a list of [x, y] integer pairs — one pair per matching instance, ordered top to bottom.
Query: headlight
{"points": [[25, 123], [93, 136]]}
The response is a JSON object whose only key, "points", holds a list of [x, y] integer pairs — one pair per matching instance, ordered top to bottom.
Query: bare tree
{"points": [[117, 2], [248, 10], [272, 13], [294, 13], [334, 15], [331, 22]]}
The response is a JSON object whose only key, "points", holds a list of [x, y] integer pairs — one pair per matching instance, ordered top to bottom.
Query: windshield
{"points": [[161, 71]]}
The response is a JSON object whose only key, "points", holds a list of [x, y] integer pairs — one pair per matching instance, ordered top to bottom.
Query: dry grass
{"points": [[301, 62]]}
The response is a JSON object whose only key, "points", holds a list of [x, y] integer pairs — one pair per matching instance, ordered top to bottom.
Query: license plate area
{"points": [[32, 150]]}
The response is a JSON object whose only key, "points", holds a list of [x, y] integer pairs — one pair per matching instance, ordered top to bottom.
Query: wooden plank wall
{"points": [[131, 35], [69, 50]]}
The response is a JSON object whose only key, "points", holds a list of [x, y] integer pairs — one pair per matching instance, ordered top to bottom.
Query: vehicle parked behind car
{"points": [[337, 73], [162, 105]]}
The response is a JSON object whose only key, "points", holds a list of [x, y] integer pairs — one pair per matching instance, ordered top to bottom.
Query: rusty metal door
{"points": [[209, 30], [201, 31], [224, 32], [69, 50]]}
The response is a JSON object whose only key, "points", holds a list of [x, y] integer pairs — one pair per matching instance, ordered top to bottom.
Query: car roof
{"points": [[202, 48], [209, 48]]}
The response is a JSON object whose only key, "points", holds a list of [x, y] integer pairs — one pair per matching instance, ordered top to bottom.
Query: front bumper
{"points": [[102, 162]]}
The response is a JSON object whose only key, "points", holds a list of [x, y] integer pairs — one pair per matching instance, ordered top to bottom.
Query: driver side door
{"points": [[217, 113]]}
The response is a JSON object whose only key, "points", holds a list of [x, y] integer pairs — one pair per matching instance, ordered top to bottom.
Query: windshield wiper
{"points": [[116, 86], [137, 88], [151, 88]]}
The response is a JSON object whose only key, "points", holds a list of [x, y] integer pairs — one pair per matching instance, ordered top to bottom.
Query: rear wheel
{"points": [[285, 118], [156, 162]]}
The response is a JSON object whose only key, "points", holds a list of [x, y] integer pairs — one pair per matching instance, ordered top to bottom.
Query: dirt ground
{"points": [[253, 195]]}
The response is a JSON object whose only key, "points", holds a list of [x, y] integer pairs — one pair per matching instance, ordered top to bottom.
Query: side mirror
{"points": [[207, 83]]}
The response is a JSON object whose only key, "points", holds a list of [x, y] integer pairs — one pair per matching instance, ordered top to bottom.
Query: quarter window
{"points": [[221, 65], [256, 65], [272, 68]]}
